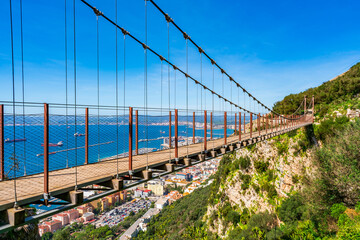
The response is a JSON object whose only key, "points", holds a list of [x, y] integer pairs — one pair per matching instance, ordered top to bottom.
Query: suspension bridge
{"points": [[59, 150]]}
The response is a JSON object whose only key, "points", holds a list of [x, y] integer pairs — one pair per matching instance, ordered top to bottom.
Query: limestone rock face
{"points": [[290, 167]]}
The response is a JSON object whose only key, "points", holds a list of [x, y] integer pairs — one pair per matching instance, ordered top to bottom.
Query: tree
{"points": [[47, 236]]}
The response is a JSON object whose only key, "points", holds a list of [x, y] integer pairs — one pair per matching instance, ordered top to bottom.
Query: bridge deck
{"points": [[31, 188]]}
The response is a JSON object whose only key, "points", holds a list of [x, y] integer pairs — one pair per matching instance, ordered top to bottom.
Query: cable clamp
{"points": [[97, 12], [168, 18], [124, 31], [186, 36], [144, 46], [200, 50], [161, 58], [213, 62], [175, 68], [187, 75], [231, 79]]}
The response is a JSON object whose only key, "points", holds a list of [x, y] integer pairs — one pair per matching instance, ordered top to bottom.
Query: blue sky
{"points": [[272, 48]]}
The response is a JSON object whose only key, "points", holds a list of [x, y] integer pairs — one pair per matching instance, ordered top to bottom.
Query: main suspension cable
{"points": [[164, 59]]}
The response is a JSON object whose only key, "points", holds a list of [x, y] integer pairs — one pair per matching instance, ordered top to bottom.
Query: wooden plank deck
{"points": [[30, 188]]}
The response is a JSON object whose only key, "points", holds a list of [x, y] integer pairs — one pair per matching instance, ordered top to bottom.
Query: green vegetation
{"points": [[335, 92], [181, 220]]}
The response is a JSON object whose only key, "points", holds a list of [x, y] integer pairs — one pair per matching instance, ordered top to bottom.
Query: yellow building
{"points": [[157, 189]]}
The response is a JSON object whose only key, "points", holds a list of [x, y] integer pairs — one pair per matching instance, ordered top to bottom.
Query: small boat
{"points": [[162, 131], [79, 134], [8, 140], [59, 144]]}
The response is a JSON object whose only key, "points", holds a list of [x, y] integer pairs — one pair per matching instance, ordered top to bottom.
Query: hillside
{"points": [[344, 88], [302, 185]]}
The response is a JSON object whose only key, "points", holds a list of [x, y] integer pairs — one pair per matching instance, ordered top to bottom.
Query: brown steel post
{"points": [[305, 107], [235, 122], [266, 123], [244, 124], [259, 124], [251, 125], [211, 126], [239, 126], [169, 129], [205, 130], [137, 132], [176, 134], [86, 135], [130, 137], [225, 137], [193, 140], [46, 152], [2, 160]]}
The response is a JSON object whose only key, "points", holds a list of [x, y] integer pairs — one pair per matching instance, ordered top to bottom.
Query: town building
{"points": [[184, 176], [157, 187], [173, 196], [161, 203], [84, 209], [72, 214], [88, 216], [62, 217], [53, 225], [43, 229]]}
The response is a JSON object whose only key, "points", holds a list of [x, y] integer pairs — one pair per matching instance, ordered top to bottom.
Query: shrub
{"points": [[244, 162], [261, 166], [246, 179], [291, 209], [337, 209]]}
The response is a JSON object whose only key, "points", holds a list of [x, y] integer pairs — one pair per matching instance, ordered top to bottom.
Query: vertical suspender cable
{"points": [[168, 53], [23, 82], [98, 85], [145, 90], [66, 91], [117, 93], [124, 94], [161, 95], [13, 99], [187, 100], [75, 102], [213, 103], [201, 109]]}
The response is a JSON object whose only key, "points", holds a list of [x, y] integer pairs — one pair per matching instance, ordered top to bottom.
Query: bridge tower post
{"points": [[305, 107], [313, 107], [251, 125], [169, 129], [205, 130], [137, 132], [225, 134], [86, 135], [176, 136], [130, 137], [46, 153], [2, 159]]}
